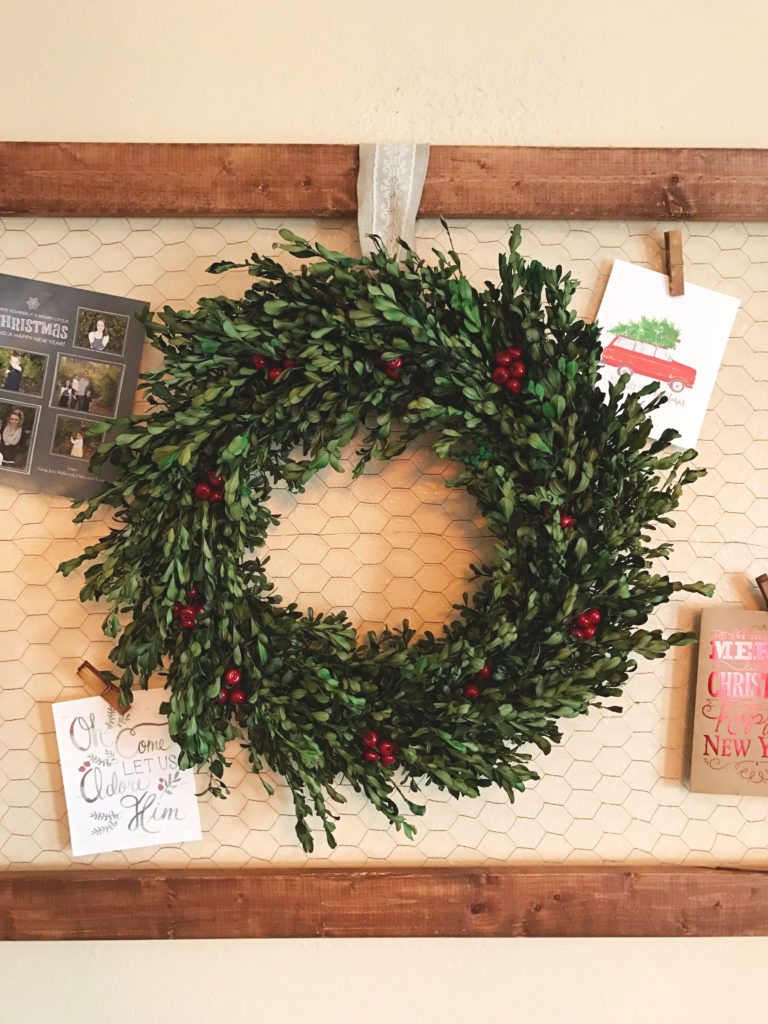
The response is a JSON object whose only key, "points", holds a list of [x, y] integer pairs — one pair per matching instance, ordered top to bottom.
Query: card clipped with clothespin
{"points": [[652, 334], [122, 781]]}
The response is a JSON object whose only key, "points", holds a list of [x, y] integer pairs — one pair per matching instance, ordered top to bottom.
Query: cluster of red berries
{"points": [[391, 367], [275, 369], [509, 369], [211, 489], [186, 614], [586, 625], [471, 690], [233, 694], [378, 749]]}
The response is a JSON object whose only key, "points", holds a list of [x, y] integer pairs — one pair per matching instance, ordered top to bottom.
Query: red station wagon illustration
{"points": [[648, 361]]}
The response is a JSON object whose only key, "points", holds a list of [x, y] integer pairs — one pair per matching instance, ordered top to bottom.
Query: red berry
{"points": [[515, 352], [503, 358], [259, 362], [396, 363], [288, 364], [517, 369], [274, 373], [394, 374], [500, 375], [515, 385], [215, 480], [203, 491], [215, 497], [566, 522], [192, 592], [199, 609], [176, 610], [186, 612], [594, 616], [583, 619], [187, 623], [589, 632], [576, 634], [485, 671], [233, 677], [471, 691], [236, 696], [222, 698], [371, 739], [385, 748], [371, 756], [387, 759], [87, 764]]}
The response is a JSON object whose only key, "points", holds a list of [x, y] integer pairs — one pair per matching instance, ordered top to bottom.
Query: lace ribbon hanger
{"points": [[389, 187]]}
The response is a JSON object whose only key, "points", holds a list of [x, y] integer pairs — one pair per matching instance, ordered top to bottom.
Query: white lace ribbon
{"points": [[389, 188]]}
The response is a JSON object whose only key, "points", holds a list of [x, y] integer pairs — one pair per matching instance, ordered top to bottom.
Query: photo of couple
{"points": [[87, 386], [76, 394]]}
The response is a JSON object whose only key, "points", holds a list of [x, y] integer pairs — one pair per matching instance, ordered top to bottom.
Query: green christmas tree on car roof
{"points": [[650, 330]]}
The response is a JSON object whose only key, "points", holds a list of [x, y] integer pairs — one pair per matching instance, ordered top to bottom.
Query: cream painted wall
{"points": [[489, 72], [493, 72]]}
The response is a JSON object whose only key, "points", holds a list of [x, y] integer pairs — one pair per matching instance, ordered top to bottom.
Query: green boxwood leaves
{"points": [[313, 689]]}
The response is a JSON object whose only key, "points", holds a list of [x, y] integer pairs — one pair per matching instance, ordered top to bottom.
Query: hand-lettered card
{"points": [[676, 340], [730, 731], [122, 780]]}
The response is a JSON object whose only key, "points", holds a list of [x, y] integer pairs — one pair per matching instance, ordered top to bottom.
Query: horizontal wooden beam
{"points": [[85, 179], [192, 904]]}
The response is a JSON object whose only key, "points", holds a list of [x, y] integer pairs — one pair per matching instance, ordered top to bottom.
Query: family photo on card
{"points": [[69, 359]]}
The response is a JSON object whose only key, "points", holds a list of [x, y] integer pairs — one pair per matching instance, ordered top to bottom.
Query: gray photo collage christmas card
{"points": [[68, 359]]}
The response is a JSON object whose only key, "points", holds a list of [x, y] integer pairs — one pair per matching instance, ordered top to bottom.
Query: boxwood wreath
{"points": [[273, 387]]}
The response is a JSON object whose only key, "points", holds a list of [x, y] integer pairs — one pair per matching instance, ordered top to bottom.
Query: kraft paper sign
{"points": [[730, 733], [122, 780]]}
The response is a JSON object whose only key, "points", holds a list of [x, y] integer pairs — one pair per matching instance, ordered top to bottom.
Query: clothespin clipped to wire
{"points": [[673, 243], [762, 582], [94, 680]]}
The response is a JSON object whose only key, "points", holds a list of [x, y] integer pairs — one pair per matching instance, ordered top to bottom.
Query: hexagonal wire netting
{"points": [[397, 544]]}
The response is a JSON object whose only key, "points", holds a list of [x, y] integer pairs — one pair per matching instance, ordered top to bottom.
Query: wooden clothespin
{"points": [[673, 242], [762, 582], [106, 689]]}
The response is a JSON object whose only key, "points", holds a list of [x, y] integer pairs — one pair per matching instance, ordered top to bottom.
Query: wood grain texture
{"points": [[81, 179], [84, 179], [597, 184], [86, 904]]}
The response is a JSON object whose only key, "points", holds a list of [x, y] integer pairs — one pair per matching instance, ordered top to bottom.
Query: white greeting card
{"points": [[677, 340], [121, 775]]}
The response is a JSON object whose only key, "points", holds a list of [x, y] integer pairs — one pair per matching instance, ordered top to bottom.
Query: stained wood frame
{"points": [[85, 179], [167, 180]]}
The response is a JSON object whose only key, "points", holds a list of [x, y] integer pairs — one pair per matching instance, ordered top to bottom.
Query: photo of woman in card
{"points": [[98, 338], [13, 447]]}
